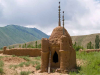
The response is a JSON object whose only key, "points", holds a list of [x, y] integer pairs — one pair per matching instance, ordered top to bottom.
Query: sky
{"points": [[82, 17]]}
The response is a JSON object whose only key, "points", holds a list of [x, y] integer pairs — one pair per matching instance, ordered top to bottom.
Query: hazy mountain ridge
{"points": [[13, 34]]}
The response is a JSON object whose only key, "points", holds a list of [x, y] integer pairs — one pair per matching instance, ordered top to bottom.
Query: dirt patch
{"points": [[13, 59], [9, 60], [80, 62]]}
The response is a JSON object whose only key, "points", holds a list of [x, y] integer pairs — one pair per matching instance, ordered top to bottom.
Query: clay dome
{"points": [[58, 32]]}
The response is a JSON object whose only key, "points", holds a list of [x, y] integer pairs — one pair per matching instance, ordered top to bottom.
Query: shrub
{"points": [[77, 47], [13, 56], [1, 57], [25, 58], [37, 58], [32, 62], [37, 62], [1, 63], [21, 64], [27, 64], [10, 66], [15, 66], [38, 67], [1, 71], [25, 72]]}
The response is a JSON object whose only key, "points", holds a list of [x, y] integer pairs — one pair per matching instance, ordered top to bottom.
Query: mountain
{"points": [[14, 34], [80, 40]]}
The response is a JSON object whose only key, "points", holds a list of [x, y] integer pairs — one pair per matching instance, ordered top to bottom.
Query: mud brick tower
{"points": [[57, 51]]}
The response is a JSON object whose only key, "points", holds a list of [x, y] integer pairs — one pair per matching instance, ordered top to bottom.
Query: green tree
{"points": [[97, 42], [36, 44], [25, 45], [90, 45], [19, 46], [39, 46], [77, 47]]}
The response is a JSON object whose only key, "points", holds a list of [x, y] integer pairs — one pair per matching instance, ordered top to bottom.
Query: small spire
{"points": [[63, 22], [59, 23]]}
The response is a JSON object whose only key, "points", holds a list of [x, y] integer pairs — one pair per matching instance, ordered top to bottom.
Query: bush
{"points": [[77, 47], [13, 56], [1, 57], [25, 58], [37, 58], [37, 62], [1, 63], [33, 63], [21, 64], [27, 64], [10, 66], [38, 67], [1, 71], [25, 72]]}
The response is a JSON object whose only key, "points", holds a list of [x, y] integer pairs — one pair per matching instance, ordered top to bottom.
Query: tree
{"points": [[97, 42], [36, 44], [25, 45], [90, 45], [19, 46], [39, 46], [77, 47]]}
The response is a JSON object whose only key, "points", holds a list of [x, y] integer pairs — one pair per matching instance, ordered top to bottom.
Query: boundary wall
{"points": [[89, 50], [33, 52]]}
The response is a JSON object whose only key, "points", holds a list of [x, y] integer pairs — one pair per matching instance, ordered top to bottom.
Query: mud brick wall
{"points": [[89, 50], [1, 51], [23, 52]]}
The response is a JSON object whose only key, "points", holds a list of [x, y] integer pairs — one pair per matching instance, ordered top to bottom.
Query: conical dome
{"points": [[58, 32]]}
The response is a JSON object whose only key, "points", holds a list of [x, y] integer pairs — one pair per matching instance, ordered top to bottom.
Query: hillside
{"points": [[14, 34], [84, 39], [80, 40]]}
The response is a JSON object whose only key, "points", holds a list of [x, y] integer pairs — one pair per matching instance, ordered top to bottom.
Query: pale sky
{"points": [[82, 17]]}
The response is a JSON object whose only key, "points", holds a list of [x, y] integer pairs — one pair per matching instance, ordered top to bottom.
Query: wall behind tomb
{"points": [[89, 50], [1, 51], [23, 51]]}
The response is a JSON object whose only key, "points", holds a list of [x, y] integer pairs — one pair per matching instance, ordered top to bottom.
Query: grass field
{"points": [[91, 64]]}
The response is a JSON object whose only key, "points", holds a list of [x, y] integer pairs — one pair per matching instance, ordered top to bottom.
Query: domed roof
{"points": [[58, 32]]}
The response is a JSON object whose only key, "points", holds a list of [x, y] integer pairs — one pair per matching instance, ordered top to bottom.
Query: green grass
{"points": [[13, 55], [1, 57], [25, 58], [38, 58], [32, 62], [37, 62], [1, 63], [27, 63], [21, 64], [92, 65], [10, 66], [14, 66], [38, 67], [1, 71], [25, 72]]}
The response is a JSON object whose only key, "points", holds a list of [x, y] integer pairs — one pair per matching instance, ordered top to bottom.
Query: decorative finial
{"points": [[63, 22], [59, 23]]}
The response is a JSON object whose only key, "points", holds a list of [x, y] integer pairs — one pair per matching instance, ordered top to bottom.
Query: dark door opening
{"points": [[55, 57]]}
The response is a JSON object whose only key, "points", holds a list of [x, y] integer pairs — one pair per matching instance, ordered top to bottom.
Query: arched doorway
{"points": [[55, 57]]}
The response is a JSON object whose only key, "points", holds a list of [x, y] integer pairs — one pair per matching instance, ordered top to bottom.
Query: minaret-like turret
{"points": [[63, 22], [59, 23]]}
